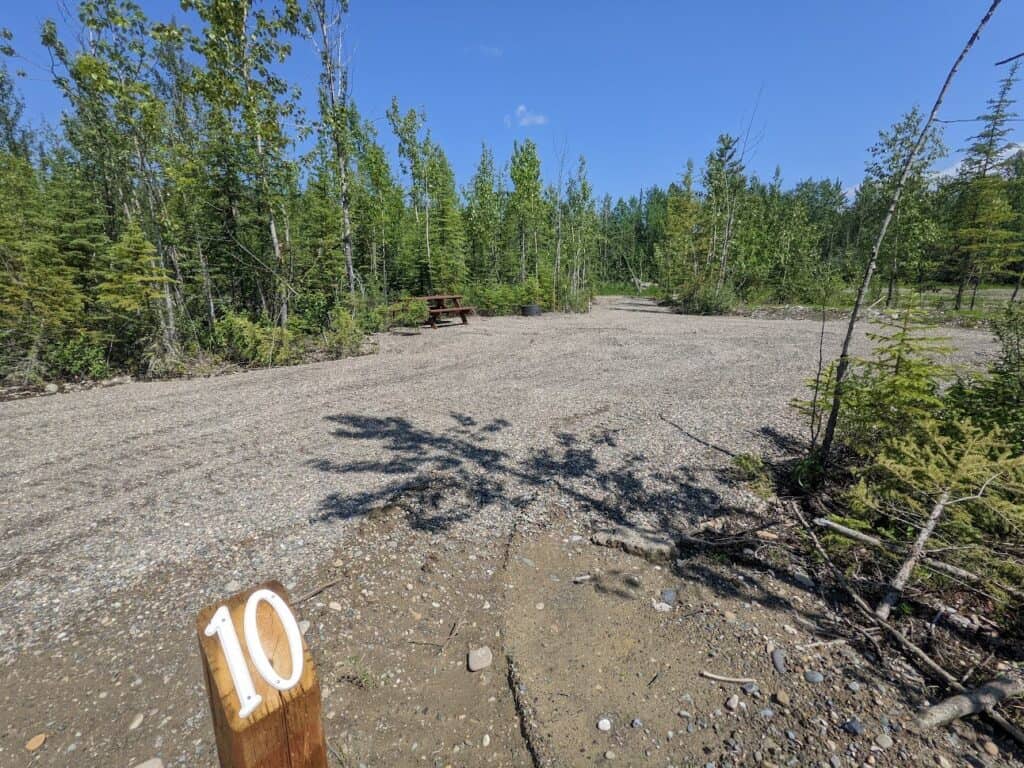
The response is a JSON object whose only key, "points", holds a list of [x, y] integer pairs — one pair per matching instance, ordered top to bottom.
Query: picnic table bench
{"points": [[444, 305]]}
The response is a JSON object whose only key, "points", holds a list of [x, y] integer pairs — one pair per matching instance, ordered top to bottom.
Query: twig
{"points": [[1012, 58], [927, 562], [318, 590], [908, 647], [721, 679]]}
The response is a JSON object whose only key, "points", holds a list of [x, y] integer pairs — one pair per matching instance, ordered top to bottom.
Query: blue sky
{"points": [[640, 87]]}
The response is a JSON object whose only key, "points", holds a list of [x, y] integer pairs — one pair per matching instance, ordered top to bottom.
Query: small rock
{"points": [[52, 389], [232, 586], [669, 596], [334, 605], [540, 606], [662, 607], [730, 617], [303, 626], [480, 658], [779, 661], [813, 677], [853, 685], [750, 688], [782, 697], [732, 703], [767, 713], [684, 714], [136, 722], [637, 723], [604, 724], [853, 726], [884, 740], [486, 741], [35, 742], [990, 748], [609, 755], [835, 761], [153, 762], [943, 762]]}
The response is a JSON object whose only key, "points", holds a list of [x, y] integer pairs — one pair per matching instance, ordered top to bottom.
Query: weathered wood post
{"points": [[264, 694]]}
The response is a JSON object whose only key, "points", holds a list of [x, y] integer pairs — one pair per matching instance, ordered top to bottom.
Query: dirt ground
{"points": [[450, 484]]}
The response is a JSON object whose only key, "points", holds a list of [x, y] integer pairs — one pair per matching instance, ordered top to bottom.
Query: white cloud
{"points": [[491, 51], [525, 118]]}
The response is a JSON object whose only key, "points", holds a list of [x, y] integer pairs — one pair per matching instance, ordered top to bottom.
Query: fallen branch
{"points": [[927, 562], [899, 581], [908, 647], [981, 699]]}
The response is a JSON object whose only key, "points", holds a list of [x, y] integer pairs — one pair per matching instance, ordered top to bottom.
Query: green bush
{"points": [[699, 298], [409, 313], [344, 336], [240, 339], [80, 357], [996, 399]]}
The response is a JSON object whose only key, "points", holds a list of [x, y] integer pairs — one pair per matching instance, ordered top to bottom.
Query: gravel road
{"points": [[125, 510]]}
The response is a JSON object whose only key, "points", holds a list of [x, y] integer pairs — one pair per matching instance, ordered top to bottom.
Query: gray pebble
{"points": [[480, 658], [779, 661], [814, 677], [853, 726]]}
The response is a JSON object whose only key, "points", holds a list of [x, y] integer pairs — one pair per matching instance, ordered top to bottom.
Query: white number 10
{"points": [[222, 626]]}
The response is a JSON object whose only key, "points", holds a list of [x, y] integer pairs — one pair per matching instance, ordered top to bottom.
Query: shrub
{"points": [[496, 298], [699, 298], [409, 313], [344, 336], [243, 341], [81, 357], [997, 398]]}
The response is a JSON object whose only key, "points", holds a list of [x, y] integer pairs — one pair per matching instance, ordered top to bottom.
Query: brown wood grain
{"points": [[286, 730]]}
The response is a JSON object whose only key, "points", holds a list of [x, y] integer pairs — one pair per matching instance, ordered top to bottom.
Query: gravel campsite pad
{"points": [[447, 486]]}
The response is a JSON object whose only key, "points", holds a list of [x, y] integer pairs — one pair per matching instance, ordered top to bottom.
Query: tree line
{"points": [[186, 206]]}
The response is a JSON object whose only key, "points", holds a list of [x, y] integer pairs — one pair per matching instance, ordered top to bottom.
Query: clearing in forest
{"points": [[448, 487]]}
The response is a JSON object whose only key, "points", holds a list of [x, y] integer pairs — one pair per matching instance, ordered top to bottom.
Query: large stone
{"points": [[480, 658]]}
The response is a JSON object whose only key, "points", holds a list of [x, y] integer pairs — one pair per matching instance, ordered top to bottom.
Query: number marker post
{"points": [[264, 695]]}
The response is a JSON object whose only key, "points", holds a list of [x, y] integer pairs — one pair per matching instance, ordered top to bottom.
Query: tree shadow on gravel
{"points": [[456, 471]]}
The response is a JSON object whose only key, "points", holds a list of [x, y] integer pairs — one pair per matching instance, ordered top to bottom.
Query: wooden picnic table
{"points": [[445, 304]]}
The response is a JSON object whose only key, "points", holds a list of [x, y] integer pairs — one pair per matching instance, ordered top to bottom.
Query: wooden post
{"points": [[285, 729]]}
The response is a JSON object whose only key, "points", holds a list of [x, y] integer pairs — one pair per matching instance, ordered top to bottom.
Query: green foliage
{"points": [[172, 198], [503, 298], [701, 298], [409, 313], [344, 336], [259, 344], [80, 357], [895, 391], [995, 399], [751, 469], [976, 474]]}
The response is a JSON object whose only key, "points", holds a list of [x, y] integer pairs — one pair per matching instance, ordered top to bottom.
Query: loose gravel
{"points": [[124, 510]]}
